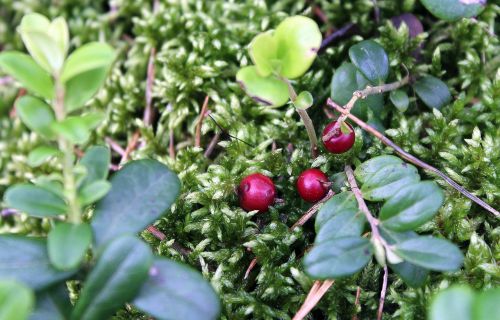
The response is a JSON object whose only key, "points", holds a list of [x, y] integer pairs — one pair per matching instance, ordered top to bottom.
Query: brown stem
{"points": [[345, 30], [150, 78], [197, 138], [171, 144], [212, 144], [115, 146], [130, 147], [412, 159], [309, 213], [161, 236], [317, 291], [382, 294], [356, 302]]}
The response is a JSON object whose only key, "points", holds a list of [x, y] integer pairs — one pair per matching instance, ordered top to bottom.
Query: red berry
{"points": [[340, 142], [312, 185], [256, 192]]}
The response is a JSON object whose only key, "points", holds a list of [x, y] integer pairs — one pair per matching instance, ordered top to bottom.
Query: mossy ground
{"points": [[200, 45]]}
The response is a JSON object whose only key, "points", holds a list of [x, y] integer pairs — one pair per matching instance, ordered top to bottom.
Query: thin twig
{"points": [[376, 11], [345, 30], [150, 78], [197, 138], [171, 144], [212, 144], [115, 146], [130, 147], [410, 158], [309, 213], [161, 236], [252, 264], [382, 294], [312, 299], [356, 302]]}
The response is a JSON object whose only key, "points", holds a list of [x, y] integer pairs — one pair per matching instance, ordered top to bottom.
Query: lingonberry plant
{"points": [[94, 222]]}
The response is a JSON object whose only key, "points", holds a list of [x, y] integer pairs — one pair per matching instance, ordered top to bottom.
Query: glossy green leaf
{"points": [[451, 10], [298, 39], [263, 50], [91, 56], [370, 58], [25, 70], [81, 88], [269, 91], [433, 92], [304, 100], [400, 100], [36, 115], [77, 129], [41, 154], [96, 161], [370, 167], [388, 181], [93, 191], [141, 192], [34, 200], [341, 202], [411, 206], [343, 224], [67, 244], [431, 253], [338, 257], [27, 261], [117, 277], [175, 291], [16, 301], [454, 303], [52, 304], [486, 304]]}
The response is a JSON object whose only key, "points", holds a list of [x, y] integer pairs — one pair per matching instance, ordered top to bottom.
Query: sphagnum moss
{"points": [[200, 45]]}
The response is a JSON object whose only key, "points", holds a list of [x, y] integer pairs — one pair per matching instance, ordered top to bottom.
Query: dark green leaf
{"points": [[451, 10], [91, 56], [370, 58], [25, 70], [81, 88], [269, 91], [433, 92], [400, 100], [36, 115], [41, 154], [96, 161], [368, 168], [388, 181], [140, 193], [34, 200], [344, 201], [411, 206], [342, 224], [67, 244], [431, 253], [338, 257], [26, 261], [117, 277], [176, 291], [16, 301], [454, 303], [52, 304], [486, 304]]}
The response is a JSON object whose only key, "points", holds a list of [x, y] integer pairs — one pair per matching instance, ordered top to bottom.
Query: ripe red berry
{"points": [[340, 142], [312, 185], [256, 192]]}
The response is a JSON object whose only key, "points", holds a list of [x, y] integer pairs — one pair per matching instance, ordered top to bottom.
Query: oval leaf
{"points": [[451, 10], [263, 50], [91, 56], [370, 58], [25, 70], [82, 87], [269, 91], [433, 92], [304, 100], [400, 100], [36, 115], [77, 129], [41, 154], [96, 161], [368, 168], [389, 180], [92, 192], [140, 193], [34, 200], [344, 201], [411, 206], [342, 224], [67, 244], [431, 253], [338, 257], [27, 261], [116, 278], [175, 291], [16, 301], [52, 304], [453, 304], [486, 304]]}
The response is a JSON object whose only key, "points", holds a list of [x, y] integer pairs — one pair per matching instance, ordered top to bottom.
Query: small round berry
{"points": [[340, 142], [312, 185], [256, 192]]}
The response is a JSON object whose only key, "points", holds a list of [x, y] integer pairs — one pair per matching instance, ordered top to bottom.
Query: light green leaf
{"points": [[451, 10], [58, 30], [263, 50], [91, 56], [370, 58], [25, 70], [81, 88], [269, 91], [433, 92], [304, 100], [400, 100], [36, 115], [77, 129], [41, 154], [96, 161], [389, 180], [93, 191], [141, 192], [34, 200], [411, 206], [67, 244], [431, 253], [338, 257], [117, 277], [175, 290], [16, 301], [52, 304], [453, 304], [486, 304]]}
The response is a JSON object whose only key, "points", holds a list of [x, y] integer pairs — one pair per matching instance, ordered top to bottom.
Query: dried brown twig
{"points": [[197, 138], [317, 291]]}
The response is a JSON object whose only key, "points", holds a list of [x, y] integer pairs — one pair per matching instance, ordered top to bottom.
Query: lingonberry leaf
{"points": [[451, 10], [264, 50], [91, 56], [370, 58], [25, 70], [269, 91], [432, 91], [400, 100], [36, 115], [41, 154], [96, 161], [368, 168], [140, 193], [34, 200], [342, 202], [411, 206], [342, 224], [67, 244], [431, 253], [338, 257], [27, 261], [117, 277], [174, 290], [16, 300], [52, 304], [453, 304]]}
